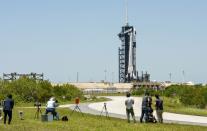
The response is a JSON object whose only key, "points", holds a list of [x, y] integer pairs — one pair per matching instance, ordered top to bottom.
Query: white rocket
{"points": [[132, 54]]}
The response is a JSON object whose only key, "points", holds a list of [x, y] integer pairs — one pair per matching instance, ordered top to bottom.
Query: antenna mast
{"points": [[126, 12]]}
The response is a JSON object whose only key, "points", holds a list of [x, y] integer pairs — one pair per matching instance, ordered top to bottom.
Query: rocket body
{"points": [[132, 53], [127, 54]]}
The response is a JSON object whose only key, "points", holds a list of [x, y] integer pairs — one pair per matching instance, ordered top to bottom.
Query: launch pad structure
{"points": [[127, 55], [15, 76]]}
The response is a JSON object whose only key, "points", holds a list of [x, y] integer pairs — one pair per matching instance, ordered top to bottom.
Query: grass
{"points": [[110, 94], [94, 99], [173, 105], [77, 122]]}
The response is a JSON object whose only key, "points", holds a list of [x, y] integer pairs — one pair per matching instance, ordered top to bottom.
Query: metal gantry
{"points": [[127, 54], [14, 76]]}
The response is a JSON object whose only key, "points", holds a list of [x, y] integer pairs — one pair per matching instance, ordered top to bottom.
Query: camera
{"points": [[2, 103], [38, 104]]}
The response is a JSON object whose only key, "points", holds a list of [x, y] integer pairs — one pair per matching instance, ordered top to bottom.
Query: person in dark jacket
{"points": [[145, 106], [7, 108], [159, 108]]}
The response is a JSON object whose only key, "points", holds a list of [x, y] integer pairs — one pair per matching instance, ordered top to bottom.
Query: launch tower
{"points": [[127, 54]]}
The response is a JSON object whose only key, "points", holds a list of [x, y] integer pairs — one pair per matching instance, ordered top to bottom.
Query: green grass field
{"points": [[94, 99], [173, 105], [77, 122]]}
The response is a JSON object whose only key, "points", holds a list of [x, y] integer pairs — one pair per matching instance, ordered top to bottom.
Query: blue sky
{"points": [[63, 37]]}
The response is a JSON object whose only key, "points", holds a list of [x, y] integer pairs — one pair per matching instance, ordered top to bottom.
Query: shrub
{"points": [[30, 90], [66, 92], [188, 95]]}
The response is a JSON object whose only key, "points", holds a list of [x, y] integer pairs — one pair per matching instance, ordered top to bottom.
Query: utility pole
{"points": [[126, 12], [183, 72], [105, 75], [170, 76], [77, 77], [112, 78], [68, 79]]}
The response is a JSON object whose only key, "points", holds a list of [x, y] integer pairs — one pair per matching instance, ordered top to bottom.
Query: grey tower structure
{"points": [[127, 55]]}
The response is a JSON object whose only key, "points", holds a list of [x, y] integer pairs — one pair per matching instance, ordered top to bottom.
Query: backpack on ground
{"points": [[64, 118]]}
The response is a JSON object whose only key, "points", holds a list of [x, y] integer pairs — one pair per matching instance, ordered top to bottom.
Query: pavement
{"points": [[116, 108]]}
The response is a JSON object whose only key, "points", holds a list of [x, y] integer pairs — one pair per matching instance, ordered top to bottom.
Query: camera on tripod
{"points": [[1, 103], [37, 104], [105, 110]]}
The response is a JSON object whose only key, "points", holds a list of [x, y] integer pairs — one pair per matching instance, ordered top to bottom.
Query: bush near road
{"points": [[28, 90], [182, 99]]}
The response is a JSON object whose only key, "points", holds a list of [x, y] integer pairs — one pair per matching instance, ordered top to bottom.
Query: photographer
{"points": [[129, 102], [8, 105], [51, 106], [145, 107], [159, 108]]}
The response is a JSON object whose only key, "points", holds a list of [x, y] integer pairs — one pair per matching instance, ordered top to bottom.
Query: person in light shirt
{"points": [[129, 102], [51, 106]]}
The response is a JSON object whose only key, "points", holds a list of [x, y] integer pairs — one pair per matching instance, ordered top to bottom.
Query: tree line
{"points": [[29, 90], [194, 96]]}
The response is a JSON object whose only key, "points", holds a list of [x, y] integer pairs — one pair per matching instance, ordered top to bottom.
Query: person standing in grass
{"points": [[129, 102], [8, 105], [145, 106], [159, 108]]}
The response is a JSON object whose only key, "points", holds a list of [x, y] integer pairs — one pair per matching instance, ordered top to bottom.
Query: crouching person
{"points": [[129, 102], [51, 108]]}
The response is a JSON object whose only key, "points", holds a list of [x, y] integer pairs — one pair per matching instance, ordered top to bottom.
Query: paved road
{"points": [[116, 108]]}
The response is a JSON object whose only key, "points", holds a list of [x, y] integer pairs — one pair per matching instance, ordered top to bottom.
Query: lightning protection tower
{"points": [[127, 52]]}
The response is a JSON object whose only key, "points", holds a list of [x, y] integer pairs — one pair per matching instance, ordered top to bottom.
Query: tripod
{"points": [[77, 108], [105, 110], [38, 111], [1, 116]]}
